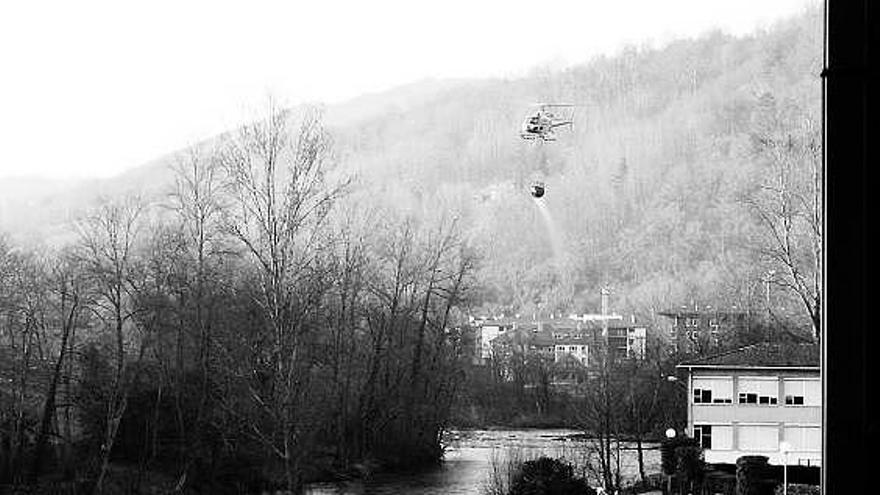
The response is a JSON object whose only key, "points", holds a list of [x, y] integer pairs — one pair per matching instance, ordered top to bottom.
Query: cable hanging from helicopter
{"points": [[540, 125]]}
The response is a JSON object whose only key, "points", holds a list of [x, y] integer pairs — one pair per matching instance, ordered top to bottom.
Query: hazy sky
{"points": [[90, 88]]}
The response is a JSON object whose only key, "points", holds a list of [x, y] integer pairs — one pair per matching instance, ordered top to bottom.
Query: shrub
{"points": [[690, 466], [546, 476], [751, 476], [799, 489]]}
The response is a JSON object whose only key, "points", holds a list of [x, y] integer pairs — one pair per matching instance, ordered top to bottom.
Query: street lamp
{"points": [[674, 380], [670, 434], [784, 447]]}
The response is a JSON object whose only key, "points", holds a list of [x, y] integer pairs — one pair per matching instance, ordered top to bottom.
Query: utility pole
{"points": [[769, 277], [606, 395]]}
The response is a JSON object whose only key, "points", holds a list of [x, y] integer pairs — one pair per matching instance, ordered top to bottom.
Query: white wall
{"points": [[758, 429]]}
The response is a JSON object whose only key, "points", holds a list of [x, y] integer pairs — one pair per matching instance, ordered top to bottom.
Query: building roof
{"points": [[696, 313], [497, 322], [561, 323], [612, 325], [543, 338], [762, 355]]}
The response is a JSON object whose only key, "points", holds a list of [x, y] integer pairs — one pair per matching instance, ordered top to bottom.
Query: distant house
{"points": [[489, 330], [696, 330], [572, 336], [624, 340], [627, 341], [567, 347], [749, 400]]}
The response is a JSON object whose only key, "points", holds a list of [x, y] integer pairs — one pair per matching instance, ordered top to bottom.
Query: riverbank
{"points": [[522, 420], [553, 425], [469, 457]]}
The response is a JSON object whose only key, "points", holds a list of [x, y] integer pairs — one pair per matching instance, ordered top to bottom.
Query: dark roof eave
{"points": [[798, 367]]}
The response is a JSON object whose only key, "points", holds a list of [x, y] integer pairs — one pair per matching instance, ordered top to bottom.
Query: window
{"points": [[713, 390], [763, 391], [802, 392], [703, 434], [714, 437], [722, 437], [758, 437], [804, 438]]}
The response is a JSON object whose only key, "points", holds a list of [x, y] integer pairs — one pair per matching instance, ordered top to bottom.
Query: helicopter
{"points": [[541, 123]]}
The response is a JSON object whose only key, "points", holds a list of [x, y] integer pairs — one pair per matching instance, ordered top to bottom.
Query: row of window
{"points": [[694, 322], [699, 333], [572, 348], [757, 390], [759, 438]]}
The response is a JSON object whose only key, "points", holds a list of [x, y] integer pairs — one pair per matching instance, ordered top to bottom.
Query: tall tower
{"points": [[604, 293]]}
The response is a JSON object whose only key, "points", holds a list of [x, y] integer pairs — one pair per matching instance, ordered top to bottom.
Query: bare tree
{"points": [[197, 200], [280, 201], [788, 204], [106, 250], [419, 274], [68, 296], [345, 308], [22, 322], [648, 399], [599, 414]]}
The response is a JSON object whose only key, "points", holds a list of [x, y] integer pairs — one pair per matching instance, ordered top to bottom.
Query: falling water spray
{"points": [[553, 233]]}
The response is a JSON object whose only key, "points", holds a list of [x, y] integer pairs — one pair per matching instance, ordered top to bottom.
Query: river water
{"points": [[473, 455]]}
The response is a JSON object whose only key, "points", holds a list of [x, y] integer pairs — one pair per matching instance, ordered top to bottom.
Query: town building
{"points": [[698, 330], [487, 331], [567, 336], [567, 348], [750, 400]]}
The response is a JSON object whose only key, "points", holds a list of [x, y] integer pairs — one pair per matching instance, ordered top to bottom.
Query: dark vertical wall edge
{"points": [[850, 435]]}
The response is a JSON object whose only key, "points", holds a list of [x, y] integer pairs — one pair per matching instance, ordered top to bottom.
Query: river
{"points": [[471, 455]]}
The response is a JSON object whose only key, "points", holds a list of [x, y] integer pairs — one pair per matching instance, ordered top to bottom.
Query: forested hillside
{"points": [[650, 191], [657, 191]]}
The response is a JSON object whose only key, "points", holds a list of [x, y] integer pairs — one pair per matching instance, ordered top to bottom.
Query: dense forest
{"points": [[684, 166], [289, 301], [247, 332]]}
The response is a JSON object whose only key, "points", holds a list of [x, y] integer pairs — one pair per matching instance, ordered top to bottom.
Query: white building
{"points": [[489, 330], [748, 401]]}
